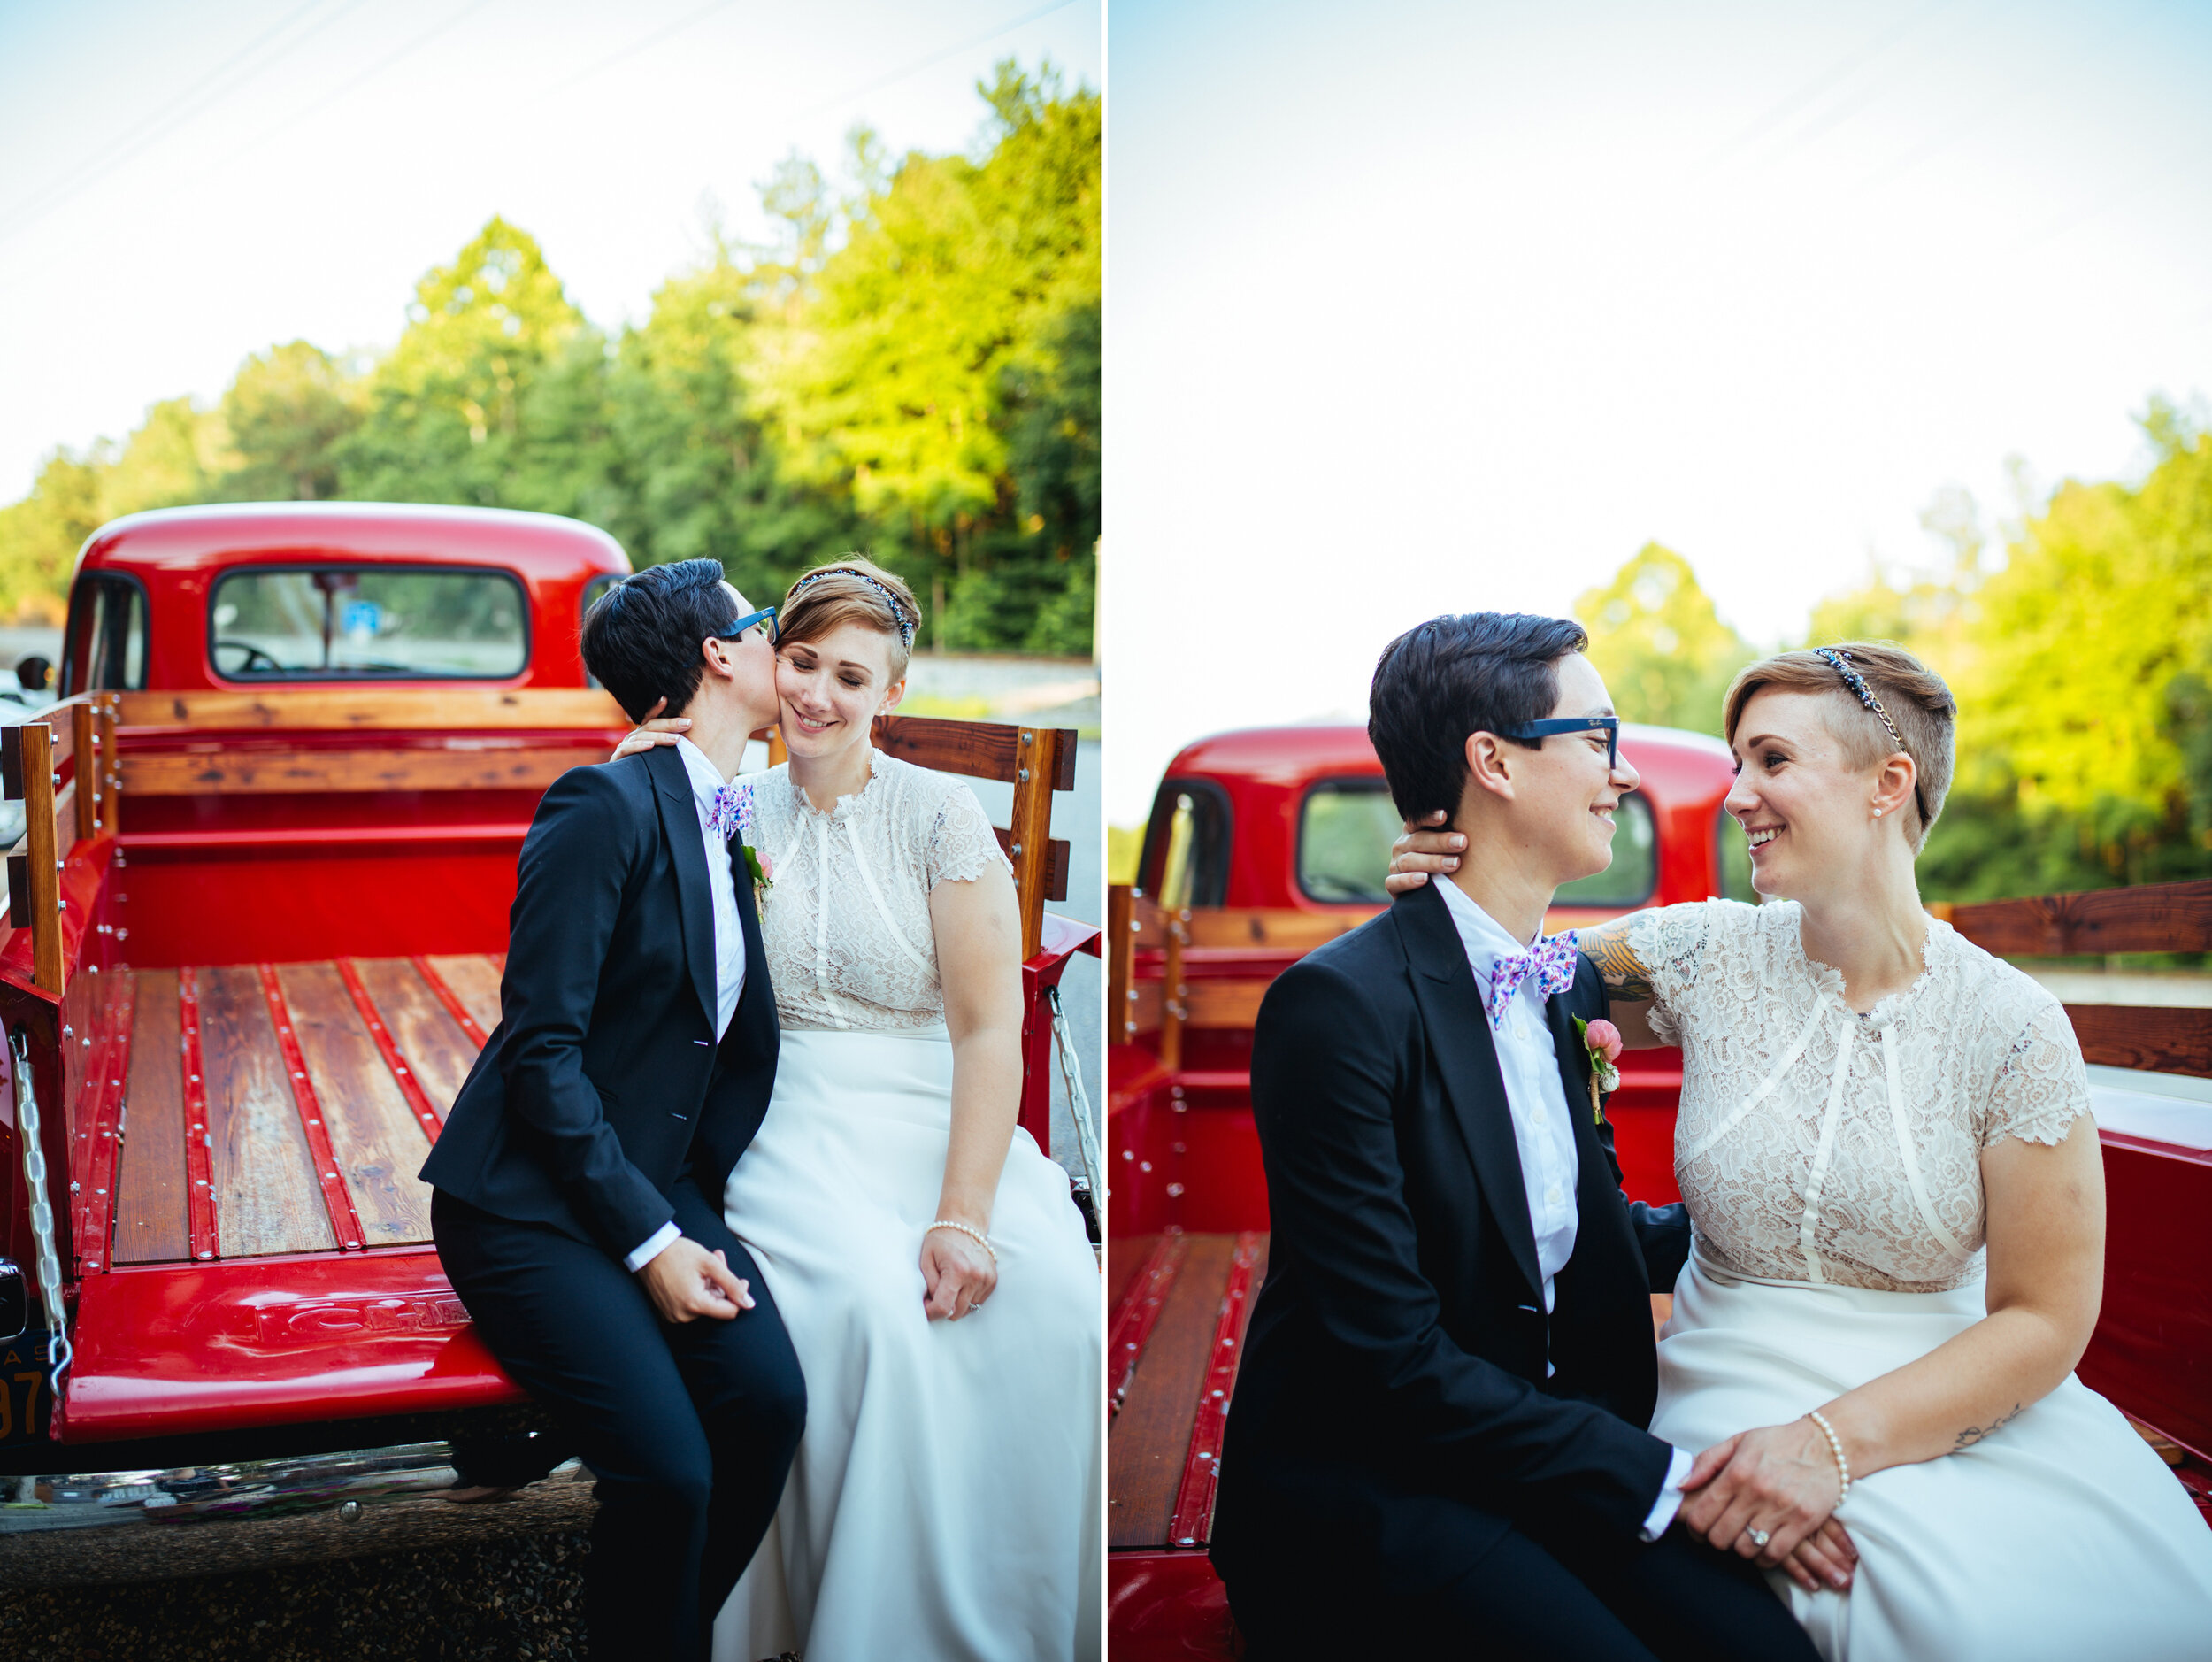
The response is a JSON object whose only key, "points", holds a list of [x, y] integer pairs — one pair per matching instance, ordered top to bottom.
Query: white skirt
{"points": [[945, 1504], [2062, 1536]]}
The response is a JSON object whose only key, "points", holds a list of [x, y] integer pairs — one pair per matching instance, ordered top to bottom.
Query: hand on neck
{"points": [[721, 725], [1507, 875]]}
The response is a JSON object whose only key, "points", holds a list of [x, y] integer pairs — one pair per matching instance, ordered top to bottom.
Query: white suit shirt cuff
{"points": [[657, 1242], [1669, 1501]]}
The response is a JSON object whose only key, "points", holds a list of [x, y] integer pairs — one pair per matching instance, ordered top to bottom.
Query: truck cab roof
{"points": [[152, 575]]}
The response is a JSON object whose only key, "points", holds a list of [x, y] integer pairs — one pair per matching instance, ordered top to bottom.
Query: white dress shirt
{"points": [[729, 938], [1536, 1096]]}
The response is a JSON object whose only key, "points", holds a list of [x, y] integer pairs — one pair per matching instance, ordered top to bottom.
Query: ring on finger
{"points": [[1759, 1537]]}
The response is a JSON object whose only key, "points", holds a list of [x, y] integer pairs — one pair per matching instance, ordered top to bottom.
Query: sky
{"points": [[183, 185], [1425, 308]]}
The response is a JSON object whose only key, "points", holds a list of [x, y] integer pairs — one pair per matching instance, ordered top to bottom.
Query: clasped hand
{"points": [[958, 1274], [686, 1282], [1781, 1480]]}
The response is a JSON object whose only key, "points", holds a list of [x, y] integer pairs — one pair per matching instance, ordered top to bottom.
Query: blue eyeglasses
{"points": [[765, 615], [1610, 725]]}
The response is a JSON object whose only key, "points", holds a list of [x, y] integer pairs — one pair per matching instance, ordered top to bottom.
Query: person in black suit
{"points": [[578, 1179], [1436, 1446]]}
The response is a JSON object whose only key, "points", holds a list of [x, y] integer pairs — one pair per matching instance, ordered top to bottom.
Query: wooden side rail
{"points": [[371, 708], [76, 737], [198, 749], [1036, 761], [434, 764], [2152, 918], [1216, 963]]}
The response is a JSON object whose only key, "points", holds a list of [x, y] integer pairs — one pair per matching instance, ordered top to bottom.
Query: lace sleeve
{"points": [[961, 845], [1671, 943], [2041, 1088]]}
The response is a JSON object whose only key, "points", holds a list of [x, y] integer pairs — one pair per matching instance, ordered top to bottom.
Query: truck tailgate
{"points": [[210, 1347]]}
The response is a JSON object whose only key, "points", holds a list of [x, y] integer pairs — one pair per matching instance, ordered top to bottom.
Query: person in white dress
{"points": [[1897, 1196], [930, 1265]]}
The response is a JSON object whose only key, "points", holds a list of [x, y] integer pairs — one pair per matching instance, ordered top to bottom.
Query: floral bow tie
{"points": [[732, 814], [1552, 962]]}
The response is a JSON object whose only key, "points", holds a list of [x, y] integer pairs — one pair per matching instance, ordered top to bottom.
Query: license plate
{"points": [[26, 1399]]}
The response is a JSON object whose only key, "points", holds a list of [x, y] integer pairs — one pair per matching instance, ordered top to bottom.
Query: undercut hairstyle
{"points": [[851, 591], [642, 639], [1471, 672], [1918, 703]]}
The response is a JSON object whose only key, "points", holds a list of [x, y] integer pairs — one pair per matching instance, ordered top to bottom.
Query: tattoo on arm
{"points": [[1623, 972], [1975, 1434]]}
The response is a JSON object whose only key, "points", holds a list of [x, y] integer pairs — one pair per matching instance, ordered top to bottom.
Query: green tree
{"points": [[952, 315], [911, 371], [289, 411], [445, 422], [174, 457], [1662, 649]]}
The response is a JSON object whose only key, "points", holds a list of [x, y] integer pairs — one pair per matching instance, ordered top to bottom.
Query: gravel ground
{"points": [[511, 1599]]}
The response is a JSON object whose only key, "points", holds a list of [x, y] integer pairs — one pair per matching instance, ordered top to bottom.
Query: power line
{"points": [[653, 40], [935, 59], [364, 78], [1818, 88], [2009, 97], [155, 128], [117, 141]]}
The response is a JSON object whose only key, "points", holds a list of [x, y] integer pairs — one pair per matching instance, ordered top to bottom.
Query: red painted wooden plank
{"points": [[451, 999], [111, 1063], [408, 1084], [199, 1164], [152, 1221], [345, 1223], [1139, 1312], [1150, 1441], [1193, 1522]]}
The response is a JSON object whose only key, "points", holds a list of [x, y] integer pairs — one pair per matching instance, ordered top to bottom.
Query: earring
{"points": [[1877, 813]]}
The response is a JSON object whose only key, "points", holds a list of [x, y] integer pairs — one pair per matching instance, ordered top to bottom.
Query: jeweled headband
{"points": [[898, 612], [1856, 682]]}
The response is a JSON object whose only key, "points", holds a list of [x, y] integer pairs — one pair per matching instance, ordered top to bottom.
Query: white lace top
{"points": [[844, 921], [1816, 1143]]}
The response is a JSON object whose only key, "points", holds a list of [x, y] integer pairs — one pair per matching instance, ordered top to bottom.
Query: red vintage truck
{"points": [[1262, 845], [257, 920]]}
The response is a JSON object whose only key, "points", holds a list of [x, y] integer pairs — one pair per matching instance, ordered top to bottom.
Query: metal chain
{"points": [[1078, 1104], [57, 1350]]}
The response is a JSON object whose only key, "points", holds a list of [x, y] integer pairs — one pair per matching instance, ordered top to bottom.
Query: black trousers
{"points": [[688, 1427], [1536, 1596]]}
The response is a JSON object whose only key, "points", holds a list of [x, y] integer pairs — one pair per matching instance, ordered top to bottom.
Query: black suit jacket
{"points": [[603, 1087], [1396, 1354]]}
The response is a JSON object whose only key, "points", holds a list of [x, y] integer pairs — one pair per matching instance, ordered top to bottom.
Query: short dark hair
{"points": [[641, 638], [1471, 671]]}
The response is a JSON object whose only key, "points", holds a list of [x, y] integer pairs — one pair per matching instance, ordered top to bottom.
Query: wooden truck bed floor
{"points": [[280, 1109]]}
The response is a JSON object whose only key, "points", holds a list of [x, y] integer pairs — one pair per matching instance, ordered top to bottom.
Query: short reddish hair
{"points": [[851, 591], [1914, 694]]}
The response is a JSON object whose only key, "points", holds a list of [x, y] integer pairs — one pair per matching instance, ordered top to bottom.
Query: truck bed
{"points": [[308, 1104], [262, 1251]]}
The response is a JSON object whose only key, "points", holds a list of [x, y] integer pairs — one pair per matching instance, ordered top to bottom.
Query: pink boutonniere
{"points": [[734, 818], [760, 869], [1602, 1040]]}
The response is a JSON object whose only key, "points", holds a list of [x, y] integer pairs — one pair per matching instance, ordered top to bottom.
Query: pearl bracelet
{"points": [[984, 1241], [1835, 1445]]}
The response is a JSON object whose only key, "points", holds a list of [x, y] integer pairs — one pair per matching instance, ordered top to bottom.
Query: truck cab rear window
{"points": [[334, 623], [1347, 827]]}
